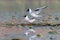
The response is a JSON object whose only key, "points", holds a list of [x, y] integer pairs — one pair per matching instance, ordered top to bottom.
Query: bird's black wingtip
{"points": [[37, 10]]}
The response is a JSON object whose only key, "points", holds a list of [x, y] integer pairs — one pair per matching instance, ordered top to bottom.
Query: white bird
{"points": [[39, 10], [36, 12], [33, 14], [28, 19], [30, 30]]}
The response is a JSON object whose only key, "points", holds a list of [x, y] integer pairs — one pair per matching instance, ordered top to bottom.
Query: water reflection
{"points": [[46, 35], [35, 38]]}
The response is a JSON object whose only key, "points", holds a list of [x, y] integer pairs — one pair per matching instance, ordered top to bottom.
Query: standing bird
{"points": [[36, 12], [33, 14], [29, 20]]}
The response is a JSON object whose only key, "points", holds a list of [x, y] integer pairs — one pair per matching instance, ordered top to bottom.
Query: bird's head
{"points": [[28, 10], [25, 15]]}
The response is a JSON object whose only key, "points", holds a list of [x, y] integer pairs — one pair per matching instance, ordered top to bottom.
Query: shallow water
{"points": [[43, 30]]}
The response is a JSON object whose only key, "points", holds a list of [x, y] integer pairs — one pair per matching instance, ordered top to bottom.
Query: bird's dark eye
{"points": [[27, 10], [37, 10], [24, 15]]}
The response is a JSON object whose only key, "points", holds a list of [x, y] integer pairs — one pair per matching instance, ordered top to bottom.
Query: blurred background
{"points": [[17, 8]]}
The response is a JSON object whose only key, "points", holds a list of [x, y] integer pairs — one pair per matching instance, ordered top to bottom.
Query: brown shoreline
{"points": [[30, 24], [33, 24], [40, 25]]}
